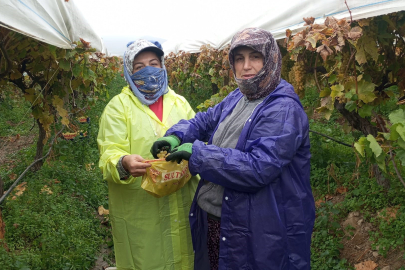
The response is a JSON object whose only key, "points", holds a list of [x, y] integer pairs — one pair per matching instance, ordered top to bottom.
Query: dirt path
{"points": [[9, 146]]}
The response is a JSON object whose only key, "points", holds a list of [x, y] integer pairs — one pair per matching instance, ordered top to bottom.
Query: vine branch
{"points": [[350, 12], [326, 136], [5, 195]]}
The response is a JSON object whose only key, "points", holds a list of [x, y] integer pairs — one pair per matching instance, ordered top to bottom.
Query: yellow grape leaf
{"points": [[364, 22], [370, 46], [361, 55], [15, 75], [337, 91], [366, 91], [325, 92], [30, 95], [327, 102], [58, 103], [324, 111], [45, 119], [65, 121], [360, 145], [89, 167], [46, 189], [19, 190], [102, 211], [388, 213], [367, 265]]}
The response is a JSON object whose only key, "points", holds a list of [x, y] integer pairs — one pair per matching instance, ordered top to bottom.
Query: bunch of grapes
{"points": [[286, 65], [299, 77], [342, 99]]}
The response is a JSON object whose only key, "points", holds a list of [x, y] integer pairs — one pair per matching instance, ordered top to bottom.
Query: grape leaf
{"points": [[355, 33], [370, 46], [361, 55], [64, 64], [77, 69], [332, 79], [337, 91], [366, 91], [325, 92], [58, 104], [350, 106], [365, 110], [397, 116], [401, 131], [401, 143], [360, 145], [375, 147], [400, 154]]}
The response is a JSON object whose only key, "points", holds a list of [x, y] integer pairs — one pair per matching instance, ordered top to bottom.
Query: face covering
{"points": [[149, 81], [148, 84]]}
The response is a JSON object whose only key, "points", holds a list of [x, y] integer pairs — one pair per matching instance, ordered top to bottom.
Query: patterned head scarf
{"points": [[135, 47], [268, 78], [149, 83]]}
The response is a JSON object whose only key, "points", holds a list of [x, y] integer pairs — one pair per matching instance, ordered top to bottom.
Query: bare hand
{"points": [[135, 165]]}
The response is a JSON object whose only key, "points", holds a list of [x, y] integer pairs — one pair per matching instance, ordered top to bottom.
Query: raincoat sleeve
{"points": [[200, 127], [113, 140], [272, 144]]}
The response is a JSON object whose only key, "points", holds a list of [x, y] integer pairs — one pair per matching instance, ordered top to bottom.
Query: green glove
{"points": [[167, 143], [184, 151]]}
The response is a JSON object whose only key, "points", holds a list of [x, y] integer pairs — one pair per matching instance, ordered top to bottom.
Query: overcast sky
{"points": [[119, 21]]}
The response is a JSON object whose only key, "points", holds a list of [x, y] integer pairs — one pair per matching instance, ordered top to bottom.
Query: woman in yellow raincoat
{"points": [[149, 233]]}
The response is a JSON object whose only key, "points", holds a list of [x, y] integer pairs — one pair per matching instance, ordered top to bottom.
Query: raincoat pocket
{"points": [[164, 178]]}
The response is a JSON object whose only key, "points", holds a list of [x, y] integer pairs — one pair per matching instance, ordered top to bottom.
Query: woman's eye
{"points": [[238, 59]]}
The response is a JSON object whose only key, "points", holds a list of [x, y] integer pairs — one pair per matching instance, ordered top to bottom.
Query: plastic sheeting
{"points": [[277, 17], [56, 22]]}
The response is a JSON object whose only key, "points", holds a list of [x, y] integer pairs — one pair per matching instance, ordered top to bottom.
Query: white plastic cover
{"points": [[276, 17], [56, 22]]}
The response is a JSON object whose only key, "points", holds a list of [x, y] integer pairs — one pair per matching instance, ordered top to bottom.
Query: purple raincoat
{"points": [[268, 210]]}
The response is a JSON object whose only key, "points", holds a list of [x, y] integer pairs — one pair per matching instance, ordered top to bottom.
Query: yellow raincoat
{"points": [[149, 233]]}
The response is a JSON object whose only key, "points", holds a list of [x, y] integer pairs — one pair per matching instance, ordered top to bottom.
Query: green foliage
{"points": [[363, 72], [59, 84], [15, 113], [367, 195], [53, 224], [49, 225], [391, 233], [326, 246]]}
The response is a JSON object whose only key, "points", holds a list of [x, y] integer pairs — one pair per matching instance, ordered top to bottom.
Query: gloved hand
{"points": [[167, 143], [184, 151]]}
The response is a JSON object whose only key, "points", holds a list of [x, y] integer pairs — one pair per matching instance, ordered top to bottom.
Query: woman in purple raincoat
{"points": [[253, 208]]}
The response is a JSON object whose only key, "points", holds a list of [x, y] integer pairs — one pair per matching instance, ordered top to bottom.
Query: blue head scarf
{"points": [[149, 83]]}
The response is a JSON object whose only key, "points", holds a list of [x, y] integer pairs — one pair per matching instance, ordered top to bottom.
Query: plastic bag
{"points": [[163, 177]]}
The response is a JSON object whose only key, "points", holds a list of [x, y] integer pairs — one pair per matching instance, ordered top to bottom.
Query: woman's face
{"points": [[144, 59], [247, 62]]}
